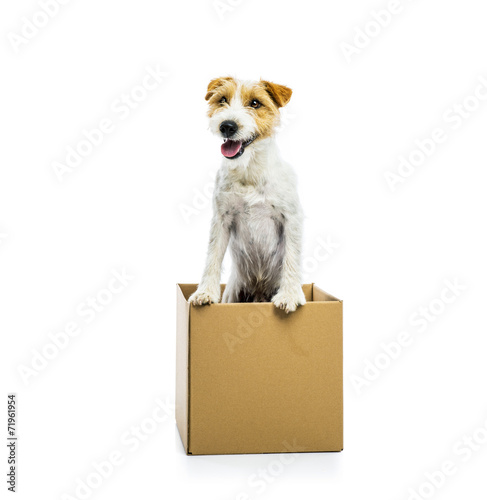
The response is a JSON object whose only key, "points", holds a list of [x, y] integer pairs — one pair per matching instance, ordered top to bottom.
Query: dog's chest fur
{"points": [[251, 212]]}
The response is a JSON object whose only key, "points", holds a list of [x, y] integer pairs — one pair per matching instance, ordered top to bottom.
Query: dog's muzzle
{"points": [[228, 128]]}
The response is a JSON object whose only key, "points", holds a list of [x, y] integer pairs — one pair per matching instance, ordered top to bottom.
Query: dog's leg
{"points": [[209, 289], [230, 293], [290, 293]]}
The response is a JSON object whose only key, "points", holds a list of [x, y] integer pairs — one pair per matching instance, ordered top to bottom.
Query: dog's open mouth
{"points": [[234, 149]]}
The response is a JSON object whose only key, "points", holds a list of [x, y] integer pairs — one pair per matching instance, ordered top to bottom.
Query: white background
{"points": [[122, 208]]}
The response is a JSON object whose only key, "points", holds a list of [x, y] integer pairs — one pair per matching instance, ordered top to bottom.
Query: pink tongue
{"points": [[231, 148]]}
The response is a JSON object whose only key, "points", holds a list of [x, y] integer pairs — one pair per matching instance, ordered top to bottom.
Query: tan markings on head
{"points": [[218, 88], [280, 94], [271, 97], [267, 115]]}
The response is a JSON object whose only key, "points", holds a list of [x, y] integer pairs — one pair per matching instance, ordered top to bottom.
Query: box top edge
{"points": [[313, 285]]}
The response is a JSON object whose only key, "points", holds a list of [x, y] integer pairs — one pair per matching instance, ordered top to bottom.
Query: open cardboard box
{"points": [[252, 379]]}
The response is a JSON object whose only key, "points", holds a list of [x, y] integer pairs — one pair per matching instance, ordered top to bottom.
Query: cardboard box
{"points": [[253, 379]]}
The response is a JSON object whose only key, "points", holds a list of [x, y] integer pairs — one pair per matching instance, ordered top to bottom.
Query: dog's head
{"points": [[244, 113]]}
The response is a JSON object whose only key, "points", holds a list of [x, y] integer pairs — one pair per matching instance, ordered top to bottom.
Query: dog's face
{"points": [[244, 113]]}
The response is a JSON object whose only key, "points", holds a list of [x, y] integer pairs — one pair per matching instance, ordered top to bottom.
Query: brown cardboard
{"points": [[252, 379]]}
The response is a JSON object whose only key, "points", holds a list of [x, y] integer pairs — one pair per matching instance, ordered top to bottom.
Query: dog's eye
{"points": [[223, 99], [254, 103]]}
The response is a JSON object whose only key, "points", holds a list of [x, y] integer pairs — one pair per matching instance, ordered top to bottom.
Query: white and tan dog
{"points": [[256, 205]]}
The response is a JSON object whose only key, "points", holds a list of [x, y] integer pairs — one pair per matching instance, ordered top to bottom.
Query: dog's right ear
{"points": [[214, 84], [280, 94]]}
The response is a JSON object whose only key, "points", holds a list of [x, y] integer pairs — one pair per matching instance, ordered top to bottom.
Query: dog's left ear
{"points": [[214, 84], [280, 94]]}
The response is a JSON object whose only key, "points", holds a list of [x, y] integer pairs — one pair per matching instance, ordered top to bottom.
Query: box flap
{"points": [[182, 366]]}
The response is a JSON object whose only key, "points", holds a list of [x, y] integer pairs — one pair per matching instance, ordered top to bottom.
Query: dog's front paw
{"points": [[204, 296], [289, 300]]}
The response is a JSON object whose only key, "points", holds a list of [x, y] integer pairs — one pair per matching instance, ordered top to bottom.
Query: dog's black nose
{"points": [[228, 128]]}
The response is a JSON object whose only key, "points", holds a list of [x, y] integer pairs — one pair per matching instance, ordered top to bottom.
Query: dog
{"points": [[256, 209]]}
